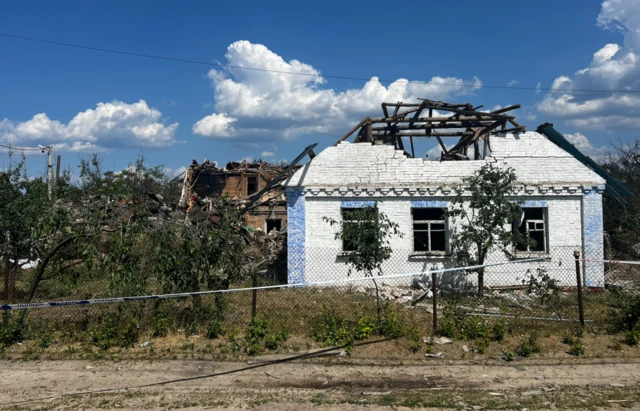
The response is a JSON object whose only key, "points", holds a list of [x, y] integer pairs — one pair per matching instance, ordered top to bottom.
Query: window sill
{"points": [[430, 254], [521, 255]]}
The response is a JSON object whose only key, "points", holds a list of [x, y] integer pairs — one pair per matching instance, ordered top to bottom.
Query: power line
{"points": [[205, 63], [22, 148]]}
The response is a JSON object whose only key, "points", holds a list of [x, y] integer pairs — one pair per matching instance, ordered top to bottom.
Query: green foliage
{"points": [[484, 213], [368, 233], [542, 285], [626, 317], [456, 324], [390, 325], [160, 326], [13, 328], [214, 328], [330, 328], [115, 331], [498, 331], [260, 336], [632, 337], [415, 339], [569, 339], [46, 340], [482, 344], [529, 346], [576, 349], [508, 356]]}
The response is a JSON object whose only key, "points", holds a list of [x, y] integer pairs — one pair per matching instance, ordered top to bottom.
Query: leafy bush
{"points": [[542, 285], [627, 315], [456, 324], [390, 325], [160, 327], [12, 329], [215, 329], [113, 331], [498, 331], [632, 337], [46, 340], [569, 340], [273, 341], [415, 341], [481, 345], [529, 346], [576, 349], [508, 356]]}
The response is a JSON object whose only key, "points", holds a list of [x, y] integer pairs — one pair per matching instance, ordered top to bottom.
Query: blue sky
{"points": [[86, 101]]}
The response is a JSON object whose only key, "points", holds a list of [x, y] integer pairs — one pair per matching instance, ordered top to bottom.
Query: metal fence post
{"points": [[576, 254], [435, 303]]}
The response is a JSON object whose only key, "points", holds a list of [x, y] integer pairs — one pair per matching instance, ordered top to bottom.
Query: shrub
{"points": [[627, 316], [390, 325], [160, 327], [12, 328], [214, 329], [114, 331], [498, 331], [632, 337], [46, 340], [273, 341], [415, 341], [481, 345], [529, 346], [576, 349], [508, 356]]}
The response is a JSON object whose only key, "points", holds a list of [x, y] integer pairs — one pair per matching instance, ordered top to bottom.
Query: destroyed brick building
{"points": [[253, 186], [562, 193]]}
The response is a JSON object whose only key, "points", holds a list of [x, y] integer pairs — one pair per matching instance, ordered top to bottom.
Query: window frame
{"points": [[257, 185], [344, 221], [429, 230], [526, 249]]}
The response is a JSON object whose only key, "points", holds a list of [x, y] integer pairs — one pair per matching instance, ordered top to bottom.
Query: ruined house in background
{"points": [[242, 183]]}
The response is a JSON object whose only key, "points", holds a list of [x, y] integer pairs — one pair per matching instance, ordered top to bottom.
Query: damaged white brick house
{"points": [[562, 197]]}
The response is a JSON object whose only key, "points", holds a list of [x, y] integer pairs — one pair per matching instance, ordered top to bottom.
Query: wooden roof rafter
{"points": [[409, 120]]}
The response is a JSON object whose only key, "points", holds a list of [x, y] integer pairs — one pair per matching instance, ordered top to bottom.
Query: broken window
{"points": [[252, 185], [348, 217], [274, 224], [534, 227], [429, 230]]}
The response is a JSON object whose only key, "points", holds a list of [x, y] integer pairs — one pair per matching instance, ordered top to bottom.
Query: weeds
{"points": [[13, 329], [632, 338], [415, 341], [529, 346], [576, 349]]}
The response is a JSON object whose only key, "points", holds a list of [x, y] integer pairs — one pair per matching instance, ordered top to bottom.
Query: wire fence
{"points": [[520, 292]]}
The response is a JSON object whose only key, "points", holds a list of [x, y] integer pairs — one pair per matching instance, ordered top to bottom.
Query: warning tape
{"points": [[267, 287]]}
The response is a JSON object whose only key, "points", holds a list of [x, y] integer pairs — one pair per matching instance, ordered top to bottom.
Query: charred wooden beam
{"points": [[473, 113], [434, 119], [353, 130], [433, 134]]}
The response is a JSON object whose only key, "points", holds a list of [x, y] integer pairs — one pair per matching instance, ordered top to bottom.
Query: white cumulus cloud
{"points": [[613, 67], [254, 105], [109, 125], [582, 143], [267, 154]]}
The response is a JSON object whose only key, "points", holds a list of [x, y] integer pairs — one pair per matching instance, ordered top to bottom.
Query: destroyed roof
{"points": [[440, 120], [536, 161]]}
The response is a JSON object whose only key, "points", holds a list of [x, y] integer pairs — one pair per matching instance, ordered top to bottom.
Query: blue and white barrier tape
{"points": [[267, 287]]}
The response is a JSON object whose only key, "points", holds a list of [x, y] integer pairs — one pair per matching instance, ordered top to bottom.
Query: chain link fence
{"points": [[523, 295]]}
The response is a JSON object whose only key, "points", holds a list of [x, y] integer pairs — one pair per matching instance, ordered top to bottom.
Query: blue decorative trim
{"points": [[534, 203], [357, 204], [429, 204], [296, 235], [593, 236]]}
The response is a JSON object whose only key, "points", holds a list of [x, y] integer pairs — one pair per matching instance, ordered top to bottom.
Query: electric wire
{"points": [[338, 77]]}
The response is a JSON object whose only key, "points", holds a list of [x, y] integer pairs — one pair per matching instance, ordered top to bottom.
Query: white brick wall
{"points": [[323, 250]]}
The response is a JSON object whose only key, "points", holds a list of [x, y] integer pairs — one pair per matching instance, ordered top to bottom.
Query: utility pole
{"points": [[57, 174], [50, 178]]}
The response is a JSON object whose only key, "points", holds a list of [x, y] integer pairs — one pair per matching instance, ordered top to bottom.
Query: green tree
{"points": [[483, 213], [622, 223], [367, 232]]}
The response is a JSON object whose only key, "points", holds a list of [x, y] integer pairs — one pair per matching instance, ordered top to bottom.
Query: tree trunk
{"points": [[43, 265], [7, 273], [481, 282], [379, 310]]}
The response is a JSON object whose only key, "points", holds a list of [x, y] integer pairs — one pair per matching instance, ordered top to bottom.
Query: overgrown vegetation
{"points": [[365, 233]]}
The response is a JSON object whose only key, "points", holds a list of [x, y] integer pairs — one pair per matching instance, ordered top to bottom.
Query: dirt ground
{"points": [[318, 384]]}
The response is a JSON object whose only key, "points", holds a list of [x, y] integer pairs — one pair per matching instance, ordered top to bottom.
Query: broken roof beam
{"points": [[473, 113], [483, 117], [350, 132], [433, 134]]}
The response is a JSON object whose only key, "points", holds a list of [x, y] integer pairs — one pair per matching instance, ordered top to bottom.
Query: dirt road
{"points": [[315, 385]]}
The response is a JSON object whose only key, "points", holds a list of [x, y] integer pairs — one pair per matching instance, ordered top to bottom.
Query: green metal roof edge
{"points": [[614, 187]]}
